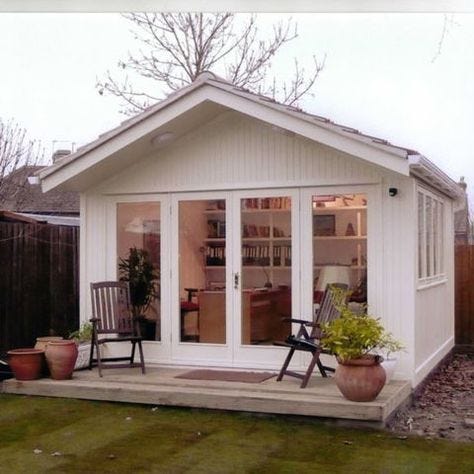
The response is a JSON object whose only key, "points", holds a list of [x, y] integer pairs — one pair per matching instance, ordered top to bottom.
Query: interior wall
{"points": [[192, 232]]}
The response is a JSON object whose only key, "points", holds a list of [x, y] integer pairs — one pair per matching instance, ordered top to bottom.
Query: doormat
{"points": [[226, 376]]}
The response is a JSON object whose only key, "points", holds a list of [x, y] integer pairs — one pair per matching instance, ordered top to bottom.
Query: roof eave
{"points": [[425, 170]]}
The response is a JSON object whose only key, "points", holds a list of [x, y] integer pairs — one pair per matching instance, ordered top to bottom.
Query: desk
{"points": [[262, 316]]}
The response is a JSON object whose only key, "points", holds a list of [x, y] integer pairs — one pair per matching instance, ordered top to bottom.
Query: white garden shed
{"points": [[248, 208]]}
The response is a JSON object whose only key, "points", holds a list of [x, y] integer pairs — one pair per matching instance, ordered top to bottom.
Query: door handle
{"points": [[236, 280]]}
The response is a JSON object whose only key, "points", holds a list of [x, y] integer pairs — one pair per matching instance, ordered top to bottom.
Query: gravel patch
{"points": [[444, 408]]}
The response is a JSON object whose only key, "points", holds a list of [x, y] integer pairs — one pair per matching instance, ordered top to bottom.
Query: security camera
{"points": [[392, 192]]}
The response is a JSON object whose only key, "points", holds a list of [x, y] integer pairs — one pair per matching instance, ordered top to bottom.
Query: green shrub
{"points": [[83, 334], [352, 336]]}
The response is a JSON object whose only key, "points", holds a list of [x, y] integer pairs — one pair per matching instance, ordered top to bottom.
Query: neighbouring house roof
{"points": [[209, 88], [19, 195], [21, 217]]}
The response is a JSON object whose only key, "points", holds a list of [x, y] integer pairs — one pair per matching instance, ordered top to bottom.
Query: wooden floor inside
{"points": [[161, 387]]}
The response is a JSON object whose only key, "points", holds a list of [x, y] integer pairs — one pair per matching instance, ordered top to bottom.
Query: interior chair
{"points": [[187, 308], [112, 321], [308, 337]]}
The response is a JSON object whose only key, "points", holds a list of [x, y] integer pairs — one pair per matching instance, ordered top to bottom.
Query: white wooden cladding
{"points": [[235, 152]]}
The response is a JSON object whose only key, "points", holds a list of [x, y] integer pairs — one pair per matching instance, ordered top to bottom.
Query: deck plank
{"points": [[160, 387]]}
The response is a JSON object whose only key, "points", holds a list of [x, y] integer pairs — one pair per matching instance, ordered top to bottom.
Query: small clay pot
{"points": [[61, 357], [26, 364], [360, 380]]}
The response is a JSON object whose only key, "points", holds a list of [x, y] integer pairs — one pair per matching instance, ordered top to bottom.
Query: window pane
{"points": [[421, 231], [429, 235], [441, 236], [138, 238], [435, 238], [340, 244], [266, 245], [202, 264]]}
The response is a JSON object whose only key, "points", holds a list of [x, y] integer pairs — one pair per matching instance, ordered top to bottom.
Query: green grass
{"points": [[123, 438]]}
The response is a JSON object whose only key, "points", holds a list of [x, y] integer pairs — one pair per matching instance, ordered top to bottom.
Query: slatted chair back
{"points": [[111, 306], [328, 311]]}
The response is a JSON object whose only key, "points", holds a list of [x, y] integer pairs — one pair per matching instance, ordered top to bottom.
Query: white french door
{"points": [[142, 222], [234, 264], [234, 267], [265, 268], [201, 275]]}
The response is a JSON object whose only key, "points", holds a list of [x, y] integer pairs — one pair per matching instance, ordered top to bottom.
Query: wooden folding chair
{"points": [[112, 318], [308, 337]]}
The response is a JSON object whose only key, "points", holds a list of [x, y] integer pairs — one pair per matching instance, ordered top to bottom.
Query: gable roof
{"points": [[209, 88], [19, 195]]}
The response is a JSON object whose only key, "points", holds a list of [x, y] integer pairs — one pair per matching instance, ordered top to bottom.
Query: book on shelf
{"points": [[276, 203], [215, 229], [215, 256]]}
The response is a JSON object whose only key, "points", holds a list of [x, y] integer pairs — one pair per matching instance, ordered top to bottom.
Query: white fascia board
{"points": [[180, 103], [309, 128], [121, 140], [427, 171]]}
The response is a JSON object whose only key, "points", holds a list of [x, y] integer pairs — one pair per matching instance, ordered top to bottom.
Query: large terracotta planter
{"points": [[41, 343], [61, 357], [26, 364], [360, 380]]}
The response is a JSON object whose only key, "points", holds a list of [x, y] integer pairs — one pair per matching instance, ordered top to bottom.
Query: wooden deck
{"points": [[160, 387]]}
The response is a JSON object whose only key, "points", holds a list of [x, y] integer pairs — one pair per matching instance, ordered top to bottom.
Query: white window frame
{"points": [[434, 254]]}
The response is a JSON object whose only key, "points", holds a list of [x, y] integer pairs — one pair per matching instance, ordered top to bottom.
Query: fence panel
{"points": [[464, 268], [39, 290]]}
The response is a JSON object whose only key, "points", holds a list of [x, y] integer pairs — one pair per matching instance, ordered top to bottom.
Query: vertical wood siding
{"points": [[235, 152], [39, 282], [464, 294], [434, 321]]}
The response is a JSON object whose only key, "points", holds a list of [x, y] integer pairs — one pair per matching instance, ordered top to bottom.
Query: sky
{"points": [[383, 76]]}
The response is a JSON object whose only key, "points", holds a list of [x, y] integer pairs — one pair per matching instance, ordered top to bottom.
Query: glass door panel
{"points": [[340, 244], [139, 261], [266, 262], [202, 271]]}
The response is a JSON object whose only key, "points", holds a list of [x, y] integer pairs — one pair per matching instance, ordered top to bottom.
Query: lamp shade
{"points": [[333, 274]]}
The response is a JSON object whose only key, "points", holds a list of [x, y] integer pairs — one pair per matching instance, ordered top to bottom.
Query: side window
{"points": [[430, 236]]}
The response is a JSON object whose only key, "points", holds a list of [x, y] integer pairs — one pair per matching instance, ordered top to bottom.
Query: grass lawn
{"points": [[63, 435]]}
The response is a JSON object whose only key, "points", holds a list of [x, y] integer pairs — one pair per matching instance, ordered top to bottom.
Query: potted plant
{"points": [[143, 280], [82, 337], [356, 340]]}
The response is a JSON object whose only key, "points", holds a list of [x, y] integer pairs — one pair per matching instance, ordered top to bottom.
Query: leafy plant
{"points": [[142, 277], [83, 334], [353, 335]]}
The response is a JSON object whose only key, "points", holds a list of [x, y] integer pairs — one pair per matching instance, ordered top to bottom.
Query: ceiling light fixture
{"points": [[162, 138]]}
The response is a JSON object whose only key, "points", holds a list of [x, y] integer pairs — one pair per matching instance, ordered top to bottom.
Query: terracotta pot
{"points": [[41, 343], [61, 357], [26, 364], [389, 365], [360, 380]]}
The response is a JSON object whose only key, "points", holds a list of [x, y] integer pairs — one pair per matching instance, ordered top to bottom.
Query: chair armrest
{"points": [[299, 321], [312, 324]]}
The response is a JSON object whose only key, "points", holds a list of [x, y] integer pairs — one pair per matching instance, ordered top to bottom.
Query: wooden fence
{"points": [[39, 288], [464, 294]]}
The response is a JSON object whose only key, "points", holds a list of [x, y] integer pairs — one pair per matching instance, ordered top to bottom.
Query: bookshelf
{"points": [[340, 233]]}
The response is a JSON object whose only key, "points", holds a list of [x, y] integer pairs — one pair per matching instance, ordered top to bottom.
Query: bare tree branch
{"points": [[448, 23], [176, 48], [16, 151]]}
